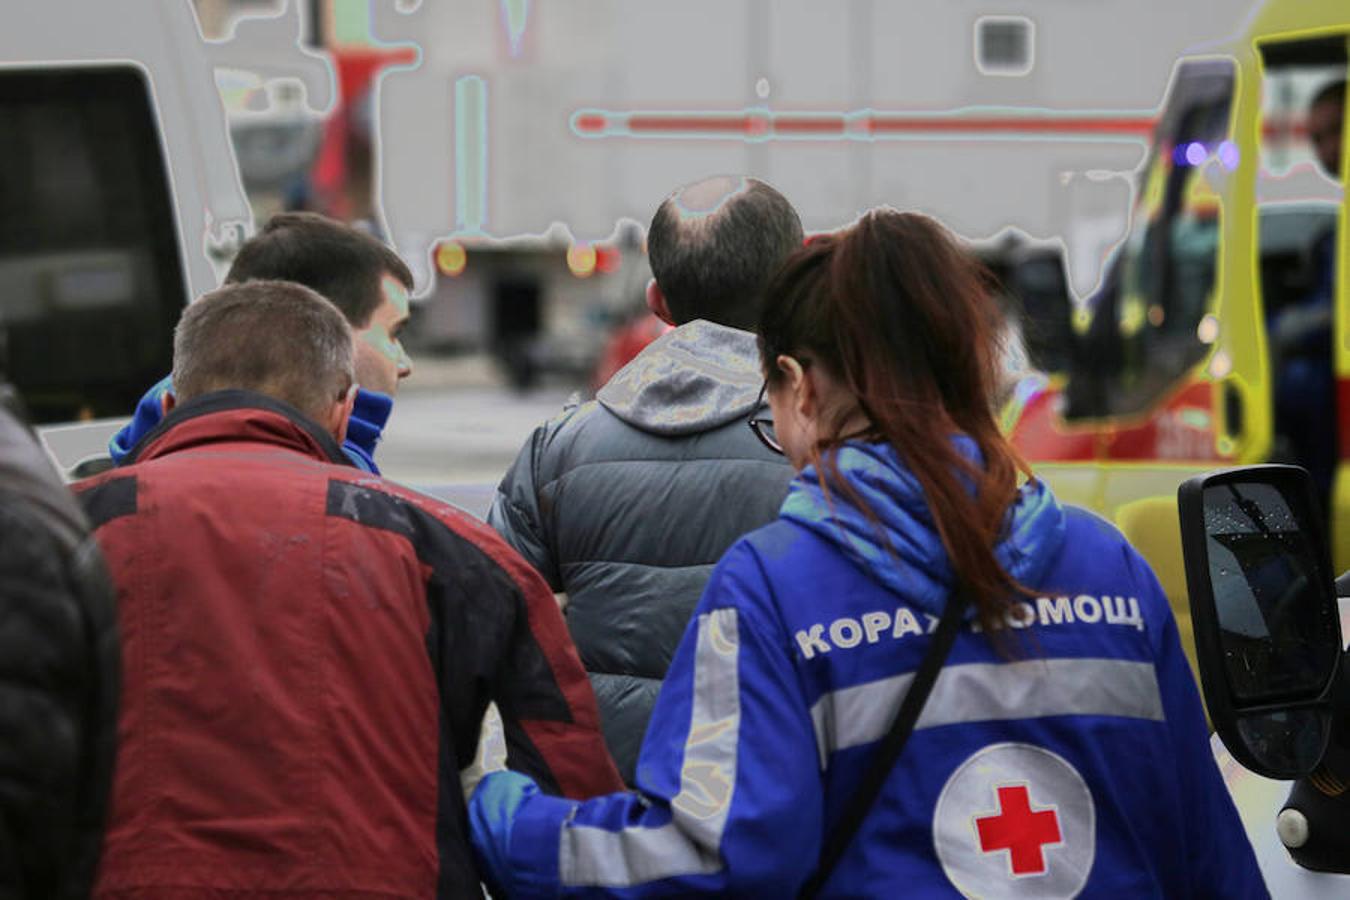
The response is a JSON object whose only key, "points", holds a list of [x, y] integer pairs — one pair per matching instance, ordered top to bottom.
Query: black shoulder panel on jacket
{"points": [[110, 500], [454, 557], [463, 654]]}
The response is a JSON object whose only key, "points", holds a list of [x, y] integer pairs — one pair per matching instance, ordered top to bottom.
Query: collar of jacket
{"points": [[234, 416], [366, 427], [898, 543]]}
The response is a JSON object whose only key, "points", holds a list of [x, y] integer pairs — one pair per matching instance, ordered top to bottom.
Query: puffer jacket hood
{"points": [[693, 379], [902, 550]]}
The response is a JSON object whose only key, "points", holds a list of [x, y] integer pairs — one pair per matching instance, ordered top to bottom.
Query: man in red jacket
{"points": [[308, 649]]}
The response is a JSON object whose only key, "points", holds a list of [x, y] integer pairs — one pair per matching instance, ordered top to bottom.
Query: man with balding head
{"points": [[625, 503], [308, 648]]}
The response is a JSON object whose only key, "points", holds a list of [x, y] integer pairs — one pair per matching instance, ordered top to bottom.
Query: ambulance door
{"points": [[1302, 244], [1155, 396], [1160, 406], [1140, 411]]}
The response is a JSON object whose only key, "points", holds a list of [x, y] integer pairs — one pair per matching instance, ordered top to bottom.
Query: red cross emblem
{"points": [[1020, 830]]}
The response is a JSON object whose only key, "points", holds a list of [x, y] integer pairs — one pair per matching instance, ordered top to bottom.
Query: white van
{"points": [[119, 199]]}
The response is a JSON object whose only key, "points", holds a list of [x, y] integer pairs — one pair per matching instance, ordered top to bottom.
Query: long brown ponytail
{"points": [[902, 314]]}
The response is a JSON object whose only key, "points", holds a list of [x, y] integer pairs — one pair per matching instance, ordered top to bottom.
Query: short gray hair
{"points": [[274, 337]]}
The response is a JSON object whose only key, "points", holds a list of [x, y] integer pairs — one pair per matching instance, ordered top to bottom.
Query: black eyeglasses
{"points": [[763, 426]]}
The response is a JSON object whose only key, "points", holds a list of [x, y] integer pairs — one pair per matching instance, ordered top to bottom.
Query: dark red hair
{"points": [[903, 316]]}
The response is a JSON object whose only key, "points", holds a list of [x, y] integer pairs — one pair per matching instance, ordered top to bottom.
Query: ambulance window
{"points": [[1296, 75], [1299, 192], [1298, 196], [91, 281], [1143, 334]]}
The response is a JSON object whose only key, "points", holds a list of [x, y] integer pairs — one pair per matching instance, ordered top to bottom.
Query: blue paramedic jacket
{"points": [[364, 428], [1077, 762]]}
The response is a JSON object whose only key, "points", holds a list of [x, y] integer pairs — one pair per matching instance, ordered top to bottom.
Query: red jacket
{"points": [[308, 653]]}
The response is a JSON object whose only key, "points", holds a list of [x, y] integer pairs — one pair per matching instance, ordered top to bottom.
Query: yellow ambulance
{"points": [[1221, 333]]}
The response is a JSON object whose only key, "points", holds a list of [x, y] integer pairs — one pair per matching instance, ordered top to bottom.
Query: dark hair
{"points": [[1334, 92], [341, 263], [713, 263], [904, 317], [274, 337]]}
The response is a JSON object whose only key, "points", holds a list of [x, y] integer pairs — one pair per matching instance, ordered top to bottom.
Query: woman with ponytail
{"points": [[927, 678]]}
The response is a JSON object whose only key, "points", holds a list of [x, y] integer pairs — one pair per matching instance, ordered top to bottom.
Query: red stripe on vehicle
{"points": [[591, 123], [681, 124], [808, 124], [838, 125], [1014, 125], [1040, 434]]}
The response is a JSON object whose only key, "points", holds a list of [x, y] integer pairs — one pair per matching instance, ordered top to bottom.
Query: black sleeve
{"points": [[58, 689], [548, 709]]}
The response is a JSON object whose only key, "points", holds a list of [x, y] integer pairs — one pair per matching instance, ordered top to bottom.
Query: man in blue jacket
{"points": [[363, 278]]}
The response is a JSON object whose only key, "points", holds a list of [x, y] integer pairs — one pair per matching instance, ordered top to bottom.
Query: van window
{"points": [[91, 281]]}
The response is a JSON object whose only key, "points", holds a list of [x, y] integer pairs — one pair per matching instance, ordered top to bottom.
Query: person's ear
{"points": [[656, 302], [802, 389], [167, 401], [340, 413]]}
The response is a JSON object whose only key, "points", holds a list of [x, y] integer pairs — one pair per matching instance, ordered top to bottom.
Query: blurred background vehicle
{"points": [[511, 152], [1174, 364]]}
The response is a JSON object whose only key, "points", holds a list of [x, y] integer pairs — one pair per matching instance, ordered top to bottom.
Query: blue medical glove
{"points": [[492, 812]]}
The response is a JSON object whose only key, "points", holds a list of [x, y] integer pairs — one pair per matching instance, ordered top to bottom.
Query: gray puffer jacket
{"points": [[626, 502]]}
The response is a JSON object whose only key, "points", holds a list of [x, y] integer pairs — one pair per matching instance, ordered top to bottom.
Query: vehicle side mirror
{"points": [[1263, 606]]}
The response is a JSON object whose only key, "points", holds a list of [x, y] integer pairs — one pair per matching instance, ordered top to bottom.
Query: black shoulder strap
{"points": [[888, 751]]}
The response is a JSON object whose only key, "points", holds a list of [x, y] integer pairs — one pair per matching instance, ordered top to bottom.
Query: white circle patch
{"points": [[1015, 820]]}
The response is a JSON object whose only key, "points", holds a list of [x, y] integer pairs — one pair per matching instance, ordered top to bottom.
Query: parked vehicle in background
{"points": [[119, 195], [90, 268], [1174, 372]]}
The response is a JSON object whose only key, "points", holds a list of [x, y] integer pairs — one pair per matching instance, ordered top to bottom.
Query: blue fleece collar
{"points": [[148, 413], [365, 428], [902, 549]]}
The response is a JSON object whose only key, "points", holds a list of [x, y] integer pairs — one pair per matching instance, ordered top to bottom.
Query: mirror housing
{"points": [[1264, 609]]}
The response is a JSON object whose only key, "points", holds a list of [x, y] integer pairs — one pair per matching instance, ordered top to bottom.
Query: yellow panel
{"points": [[1289, 17], [1238, 308], [1079, 484], [1340, 514], [1340, 524], [1153, 528]]}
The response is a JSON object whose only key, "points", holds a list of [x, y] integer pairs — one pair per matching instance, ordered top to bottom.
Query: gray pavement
{"points": [[456, 428]]}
